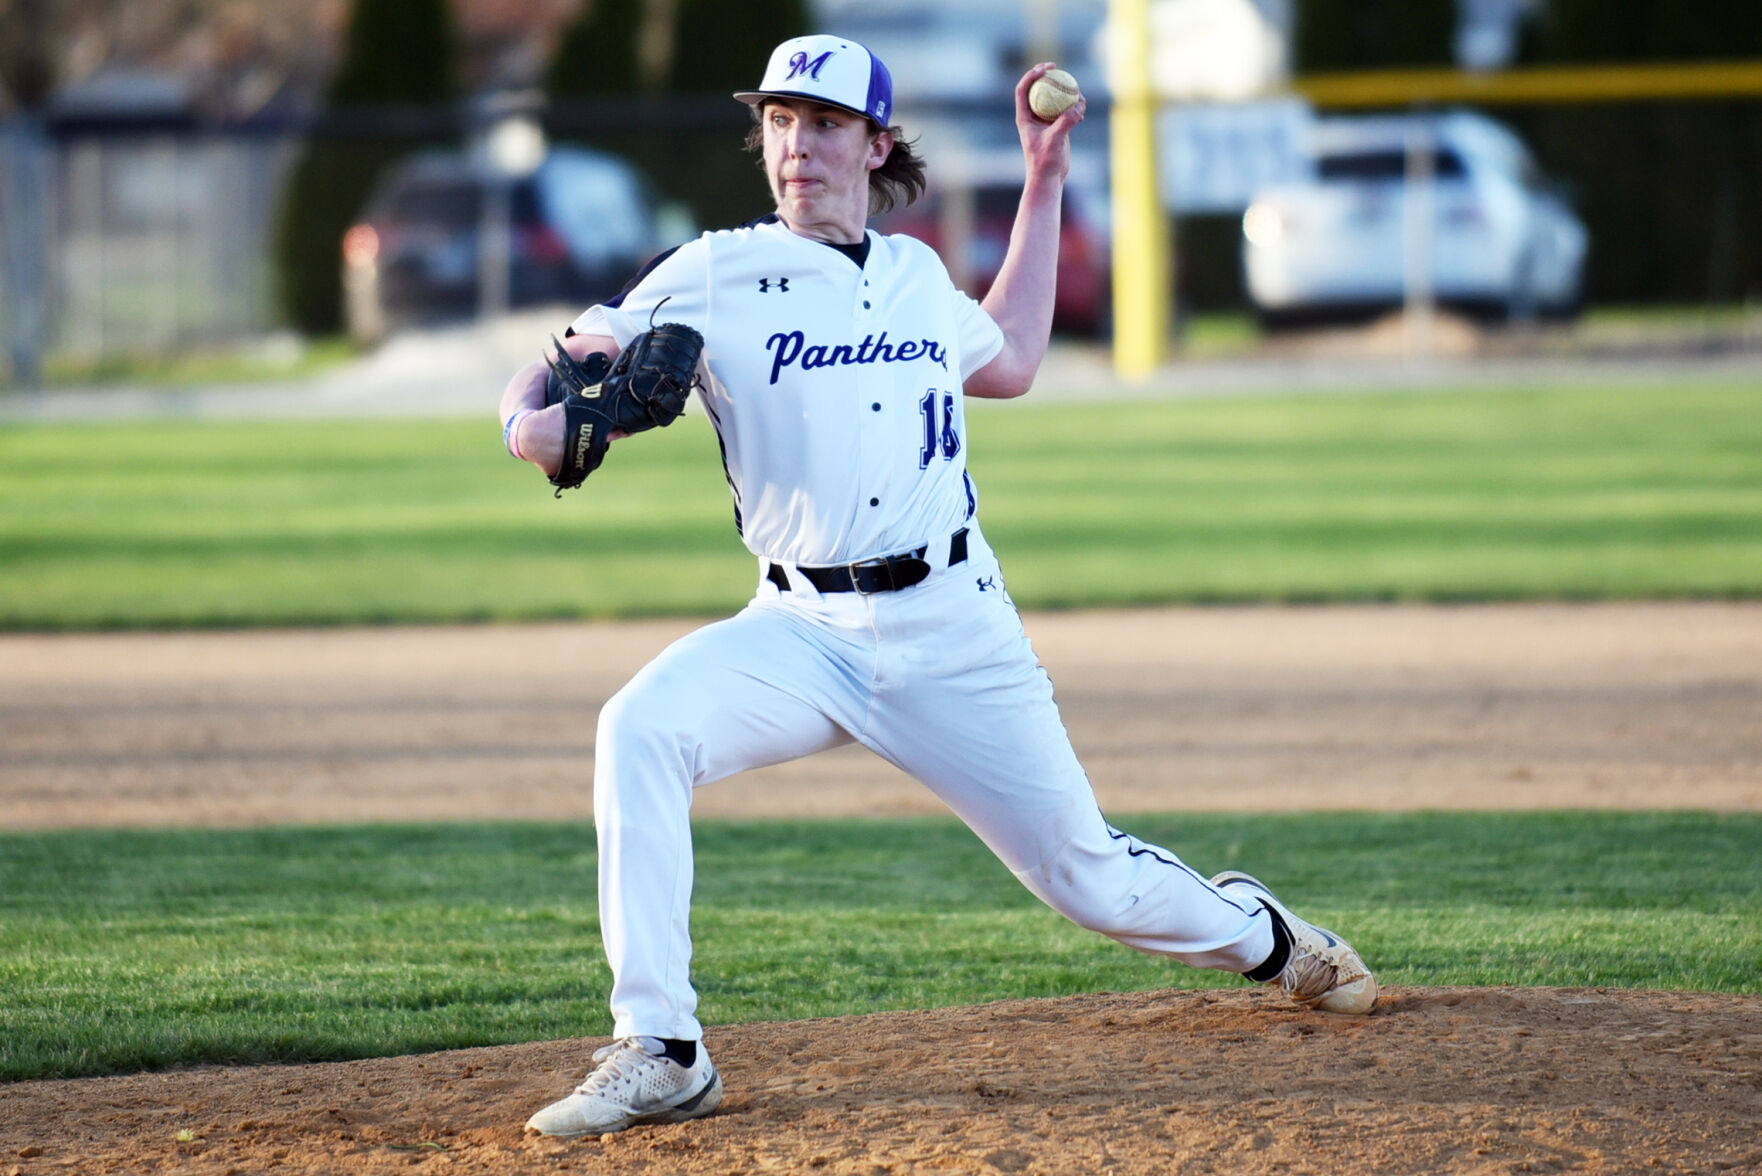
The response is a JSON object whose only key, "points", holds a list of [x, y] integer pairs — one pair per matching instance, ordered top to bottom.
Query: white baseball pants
{"points": [[940, 680]]}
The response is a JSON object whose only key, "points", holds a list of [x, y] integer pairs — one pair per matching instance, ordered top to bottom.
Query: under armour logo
{"points": [[800, 66], [766, 283], [986, 584]]}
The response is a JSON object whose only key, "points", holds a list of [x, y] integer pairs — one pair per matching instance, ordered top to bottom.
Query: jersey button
{"points": [[865, 304], [876, 406], [874, 502]]}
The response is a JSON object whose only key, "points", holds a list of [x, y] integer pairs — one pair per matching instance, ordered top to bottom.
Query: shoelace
{"points": [[1308, 977], [611, 1063]]}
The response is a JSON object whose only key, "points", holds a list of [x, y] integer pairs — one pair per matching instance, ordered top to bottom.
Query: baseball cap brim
{"points": [[831, 71], [755, 97]]}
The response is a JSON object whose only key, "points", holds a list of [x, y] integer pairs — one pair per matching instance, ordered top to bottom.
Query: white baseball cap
{"points": [[826, 69]]}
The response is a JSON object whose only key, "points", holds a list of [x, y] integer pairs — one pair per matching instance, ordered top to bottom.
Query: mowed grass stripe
{"points": [[1515, 493], [125, 950]]}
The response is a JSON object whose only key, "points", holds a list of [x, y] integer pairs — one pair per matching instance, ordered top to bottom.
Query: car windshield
{"points": [[1353, 166], [450, 205], [455, 205], [599, 207]]}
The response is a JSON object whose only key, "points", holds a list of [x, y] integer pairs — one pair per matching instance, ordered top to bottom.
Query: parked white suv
{"points": [[1352, 240]]}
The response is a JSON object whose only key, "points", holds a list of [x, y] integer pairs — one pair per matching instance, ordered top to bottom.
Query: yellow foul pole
{"points": [[1141, 270]]}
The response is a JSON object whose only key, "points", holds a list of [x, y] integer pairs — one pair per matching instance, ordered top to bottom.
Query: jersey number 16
{"points": [[942, 440]]}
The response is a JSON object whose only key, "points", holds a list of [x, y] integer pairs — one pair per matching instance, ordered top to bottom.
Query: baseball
{"points": [[1053, 94]]}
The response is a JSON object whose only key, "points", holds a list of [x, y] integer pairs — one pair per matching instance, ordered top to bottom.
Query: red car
{"points": [[1082, 303]]}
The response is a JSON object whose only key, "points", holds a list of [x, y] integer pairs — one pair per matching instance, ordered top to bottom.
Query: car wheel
{"points": [[1521, 304], [1567, 310], [1273, 322]]}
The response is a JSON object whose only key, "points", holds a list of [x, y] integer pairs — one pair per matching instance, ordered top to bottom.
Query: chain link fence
{"points": [[139, 243]]}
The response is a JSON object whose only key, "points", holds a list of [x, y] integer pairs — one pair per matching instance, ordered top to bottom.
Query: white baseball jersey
{"points": [[835, 389]]}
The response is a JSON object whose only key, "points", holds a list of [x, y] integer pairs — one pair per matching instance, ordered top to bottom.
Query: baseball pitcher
{"points": [[834, 363]]}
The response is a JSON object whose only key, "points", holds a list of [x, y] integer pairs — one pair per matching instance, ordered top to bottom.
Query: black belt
{"points": [[887, 573]]}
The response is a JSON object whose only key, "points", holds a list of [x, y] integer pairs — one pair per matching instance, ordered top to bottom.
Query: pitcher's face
{"points": [[818, 159]]}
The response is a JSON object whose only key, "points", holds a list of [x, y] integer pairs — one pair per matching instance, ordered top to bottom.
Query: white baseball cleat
{"points": [[1323, 971], [632, 1083]]}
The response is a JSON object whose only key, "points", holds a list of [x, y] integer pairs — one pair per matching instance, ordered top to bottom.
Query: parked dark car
{"points": [[578, 227], [1082, 300]]}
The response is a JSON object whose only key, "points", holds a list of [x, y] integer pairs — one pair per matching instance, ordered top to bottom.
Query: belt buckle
{"points": [[880, 561]]}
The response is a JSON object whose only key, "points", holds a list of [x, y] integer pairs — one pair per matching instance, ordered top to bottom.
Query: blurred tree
{"points": [[1644, 30], [1373, 34], [720, 47], [599, 52], [27, 53], [396, 53], [681, 128], [1665, 188]]}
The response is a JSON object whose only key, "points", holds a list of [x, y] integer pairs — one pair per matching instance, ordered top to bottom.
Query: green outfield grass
{"points": [[284, 358], [1519, 493], [128, 950]]}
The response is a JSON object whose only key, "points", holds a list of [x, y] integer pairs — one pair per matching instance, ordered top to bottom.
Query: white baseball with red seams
{"points": [[1055, 93], [835, 390]]}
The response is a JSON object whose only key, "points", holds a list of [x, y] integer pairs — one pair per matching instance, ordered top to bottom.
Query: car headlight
{"points": [[1263, 225], [360, 245]]}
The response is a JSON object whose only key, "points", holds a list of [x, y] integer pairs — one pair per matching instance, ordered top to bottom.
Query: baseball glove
{"points": [[646, 388]]}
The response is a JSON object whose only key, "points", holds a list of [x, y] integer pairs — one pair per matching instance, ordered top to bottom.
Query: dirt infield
{"points": [[1612, 706], [1632, 706], [1440, 1080]]}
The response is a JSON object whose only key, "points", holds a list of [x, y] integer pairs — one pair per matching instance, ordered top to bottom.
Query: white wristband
{"points": [[511, 433]]}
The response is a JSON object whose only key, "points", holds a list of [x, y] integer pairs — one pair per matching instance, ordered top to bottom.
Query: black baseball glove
{"points": [[647, 387]]}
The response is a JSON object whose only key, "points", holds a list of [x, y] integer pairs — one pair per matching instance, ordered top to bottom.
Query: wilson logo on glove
{"points": [[645, 389]]}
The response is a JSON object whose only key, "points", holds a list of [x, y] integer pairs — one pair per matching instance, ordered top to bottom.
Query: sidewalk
{"points": [[462, 370]]}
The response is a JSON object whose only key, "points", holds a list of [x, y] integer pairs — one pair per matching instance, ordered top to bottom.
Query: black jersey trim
{"points": [[857, 251], [647, 269], [728, 476], [1137, 848]]}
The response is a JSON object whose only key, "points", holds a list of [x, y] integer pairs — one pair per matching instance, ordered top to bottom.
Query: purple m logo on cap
{"points": [[799, 65]]}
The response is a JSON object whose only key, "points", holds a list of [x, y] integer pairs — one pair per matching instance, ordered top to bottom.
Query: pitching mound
{"points": [[1439, 1080]]}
